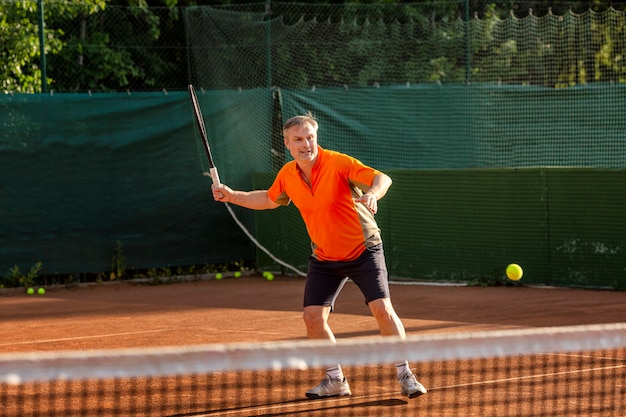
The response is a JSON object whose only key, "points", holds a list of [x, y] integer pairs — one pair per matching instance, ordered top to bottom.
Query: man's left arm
{"points": [[380, 185], [378, 189]]}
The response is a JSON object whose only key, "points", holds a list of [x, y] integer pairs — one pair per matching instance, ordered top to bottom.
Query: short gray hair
{"points": [[300, 121]]}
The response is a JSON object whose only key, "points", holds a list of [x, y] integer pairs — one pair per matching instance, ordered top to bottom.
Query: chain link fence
{"points": [[96, 47]]}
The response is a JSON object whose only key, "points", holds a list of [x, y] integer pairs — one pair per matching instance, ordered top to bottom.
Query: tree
{"points": [[20, 69]]}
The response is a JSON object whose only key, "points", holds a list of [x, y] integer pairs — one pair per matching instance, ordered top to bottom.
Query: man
{"points": [[337, 197]]}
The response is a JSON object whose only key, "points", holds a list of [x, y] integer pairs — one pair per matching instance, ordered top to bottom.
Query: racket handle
{"points": [[214, 176]]}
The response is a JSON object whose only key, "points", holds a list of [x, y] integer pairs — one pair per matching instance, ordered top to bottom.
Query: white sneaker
{"points": [[410, 386], [330, 388]]}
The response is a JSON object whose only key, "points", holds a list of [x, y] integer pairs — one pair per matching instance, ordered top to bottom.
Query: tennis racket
{"points": [[205, 139]]}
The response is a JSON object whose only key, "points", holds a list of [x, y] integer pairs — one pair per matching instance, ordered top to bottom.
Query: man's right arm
{"points": [[255, 200]]}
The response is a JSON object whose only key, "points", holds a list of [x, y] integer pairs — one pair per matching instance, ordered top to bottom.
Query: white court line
{"points": [[428, 283], [67, 339], [522, 378]]}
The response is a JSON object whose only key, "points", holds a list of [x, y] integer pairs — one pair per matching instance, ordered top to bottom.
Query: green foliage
{"points": [[116, 45], [19, 48], [116, 48], [20, 69], [118, 263], [16, 278], [496, 279]]}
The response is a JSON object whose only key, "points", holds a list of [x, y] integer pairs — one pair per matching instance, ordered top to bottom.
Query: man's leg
{"points": [[369, 272], [322, 286], [316, 321], [388, 321], [390, 325], [335, 384]]}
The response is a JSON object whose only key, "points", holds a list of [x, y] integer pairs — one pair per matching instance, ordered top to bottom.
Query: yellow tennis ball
{"points": [[514, 272], [237, 274], [218, 276], [269, 276], [30, 291], [41, 291]]}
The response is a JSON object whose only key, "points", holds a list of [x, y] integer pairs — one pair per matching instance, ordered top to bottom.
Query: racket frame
{"points": [[205, 138]]}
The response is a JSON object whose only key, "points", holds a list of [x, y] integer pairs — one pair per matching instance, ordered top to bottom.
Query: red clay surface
{"points": [[251, 309]]}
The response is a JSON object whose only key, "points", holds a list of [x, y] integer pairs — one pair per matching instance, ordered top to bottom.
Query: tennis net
{"points": [[556, 371]]}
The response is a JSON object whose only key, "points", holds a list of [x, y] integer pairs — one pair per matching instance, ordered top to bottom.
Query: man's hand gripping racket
{"points": [[205, 139]]}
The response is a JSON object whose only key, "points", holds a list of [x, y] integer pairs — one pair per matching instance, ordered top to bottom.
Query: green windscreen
{"points": [[81, 173], [473, 189]]}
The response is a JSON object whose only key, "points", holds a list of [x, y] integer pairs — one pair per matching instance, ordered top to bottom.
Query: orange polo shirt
{"points": [[339, 228]]}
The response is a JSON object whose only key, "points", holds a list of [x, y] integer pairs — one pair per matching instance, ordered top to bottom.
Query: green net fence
{"points": [[97, 46], [296, 46], [501, 126]]}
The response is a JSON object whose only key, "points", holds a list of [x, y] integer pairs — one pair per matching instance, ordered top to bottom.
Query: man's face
{"points": [[302, 143]]}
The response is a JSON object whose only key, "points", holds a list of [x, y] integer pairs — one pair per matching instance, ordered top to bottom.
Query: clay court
{"points": [[251, 309]]}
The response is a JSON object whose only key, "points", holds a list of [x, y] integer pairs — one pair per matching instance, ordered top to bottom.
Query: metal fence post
{"points": [[268, 41], [42, 48], [468, 50]]}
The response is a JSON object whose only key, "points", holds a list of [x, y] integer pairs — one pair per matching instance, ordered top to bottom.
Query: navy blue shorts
{"points": [[325, 279]]}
